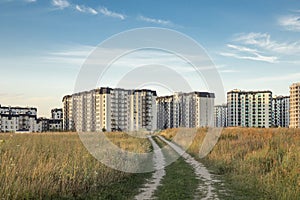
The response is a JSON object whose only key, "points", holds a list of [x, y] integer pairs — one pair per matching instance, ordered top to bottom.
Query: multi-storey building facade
{"points": [[295, 105], [164, 107], [249, 108], [107, 109], [188, 110], [281, 111], [221, 112], [57, 113], [13, 119], [68, 120], [56, 121], [42, 124], [55, 125]]}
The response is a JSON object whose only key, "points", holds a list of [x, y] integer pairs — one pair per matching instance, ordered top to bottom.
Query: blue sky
{"points": [[254, 44]]}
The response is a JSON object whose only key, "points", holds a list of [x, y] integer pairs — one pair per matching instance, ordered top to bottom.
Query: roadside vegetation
{"points": [[254, 163], [57, 165]]}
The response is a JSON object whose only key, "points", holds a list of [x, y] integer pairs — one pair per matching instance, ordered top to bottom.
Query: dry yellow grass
{"points": [[256, 161], [51, 165]]}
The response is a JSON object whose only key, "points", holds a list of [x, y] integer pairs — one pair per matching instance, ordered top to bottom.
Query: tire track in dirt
{"points": [[206, 185], [149, 188]]}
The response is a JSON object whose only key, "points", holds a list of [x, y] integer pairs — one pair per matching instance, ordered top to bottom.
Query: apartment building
{"points": [[295, 105], [164, 107], [249, 108], [107, 109], [190, 110], [281, 111], [57, 113], [220, 113], [14, 119], [68, 120], [56, 121], [42, 124]]}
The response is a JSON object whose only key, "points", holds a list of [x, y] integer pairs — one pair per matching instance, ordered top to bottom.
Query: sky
{"points": [[255, 45]]}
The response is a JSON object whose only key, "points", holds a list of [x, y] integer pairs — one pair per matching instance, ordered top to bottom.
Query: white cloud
{"points": [[26, 1], [61, 4], [84, 9], [109, 13], [155, 21], [290, 22], [259, 39], [264, 41], [241, 48], [242, 52], [75, 55], [254, 57], [228, 71]]}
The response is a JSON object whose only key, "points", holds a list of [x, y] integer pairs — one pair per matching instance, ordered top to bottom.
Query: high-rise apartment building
{"points": [[295, 105], [249, 108], [107, 109], [190, 110], [281, 111], [221, 112], [68, 120]]}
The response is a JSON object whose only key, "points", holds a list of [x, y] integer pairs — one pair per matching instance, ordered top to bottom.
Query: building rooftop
{"points": [[295, 84], [249, 92], [199, 94]]}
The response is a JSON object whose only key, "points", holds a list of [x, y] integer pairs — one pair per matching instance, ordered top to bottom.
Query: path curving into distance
{"points": [[159, 162], [201, 172]]}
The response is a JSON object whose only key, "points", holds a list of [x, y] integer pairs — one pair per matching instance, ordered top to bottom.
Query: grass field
{"points": [[255, 163], [57, 165]]}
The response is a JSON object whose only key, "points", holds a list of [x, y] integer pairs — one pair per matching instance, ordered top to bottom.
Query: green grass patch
{"points": [[180, 181]]}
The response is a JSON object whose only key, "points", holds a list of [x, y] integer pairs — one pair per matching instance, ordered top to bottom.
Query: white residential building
{"points": [[295, 105], [249, 108], [107, 109], [190, 110], [281, 111], [221, 112], [13, 119], [68, 119]]}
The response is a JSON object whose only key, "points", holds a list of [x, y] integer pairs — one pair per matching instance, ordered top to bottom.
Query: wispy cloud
{"points": [[11, 1], [30, 1], [61, 4], [84, 9], [109, 13], [155, 21], [290, 22], [264, 41], [260, 47], [242, 48], [242, 52], [71, 55], [255, 57], [228, 71]]}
